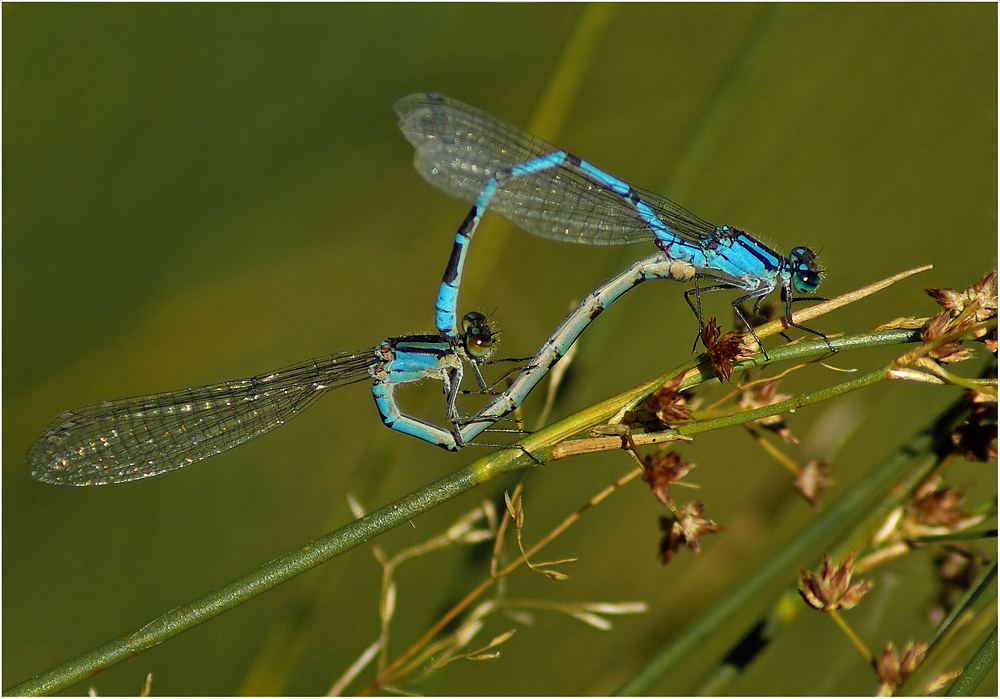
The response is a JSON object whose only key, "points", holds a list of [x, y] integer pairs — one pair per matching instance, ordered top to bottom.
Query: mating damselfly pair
{"points": [[473, 156]]}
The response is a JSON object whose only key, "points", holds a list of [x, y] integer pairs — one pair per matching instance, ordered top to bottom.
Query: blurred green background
{"points": [[199, 192]]}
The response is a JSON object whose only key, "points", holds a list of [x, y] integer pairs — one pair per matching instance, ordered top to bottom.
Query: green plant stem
{"points": [[699, 372], [790, 405], [958, 536], [842, 624], [975, 672]]}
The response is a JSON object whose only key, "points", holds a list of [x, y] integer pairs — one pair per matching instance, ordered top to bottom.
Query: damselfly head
{"points": [[806, 274], [479, 338]]}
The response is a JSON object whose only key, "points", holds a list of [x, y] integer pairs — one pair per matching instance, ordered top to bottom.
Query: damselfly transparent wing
{"points": [[459, 148], [133, 438]]}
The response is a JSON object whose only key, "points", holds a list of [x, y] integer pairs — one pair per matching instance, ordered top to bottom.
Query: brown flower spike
{"points": [[983, 293], [961, 310], [944, 324], [722, 351], [665, 407], [662, 469], [813, 479], [936, 510], [685, 527], [832, 588], [893, 670]]}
